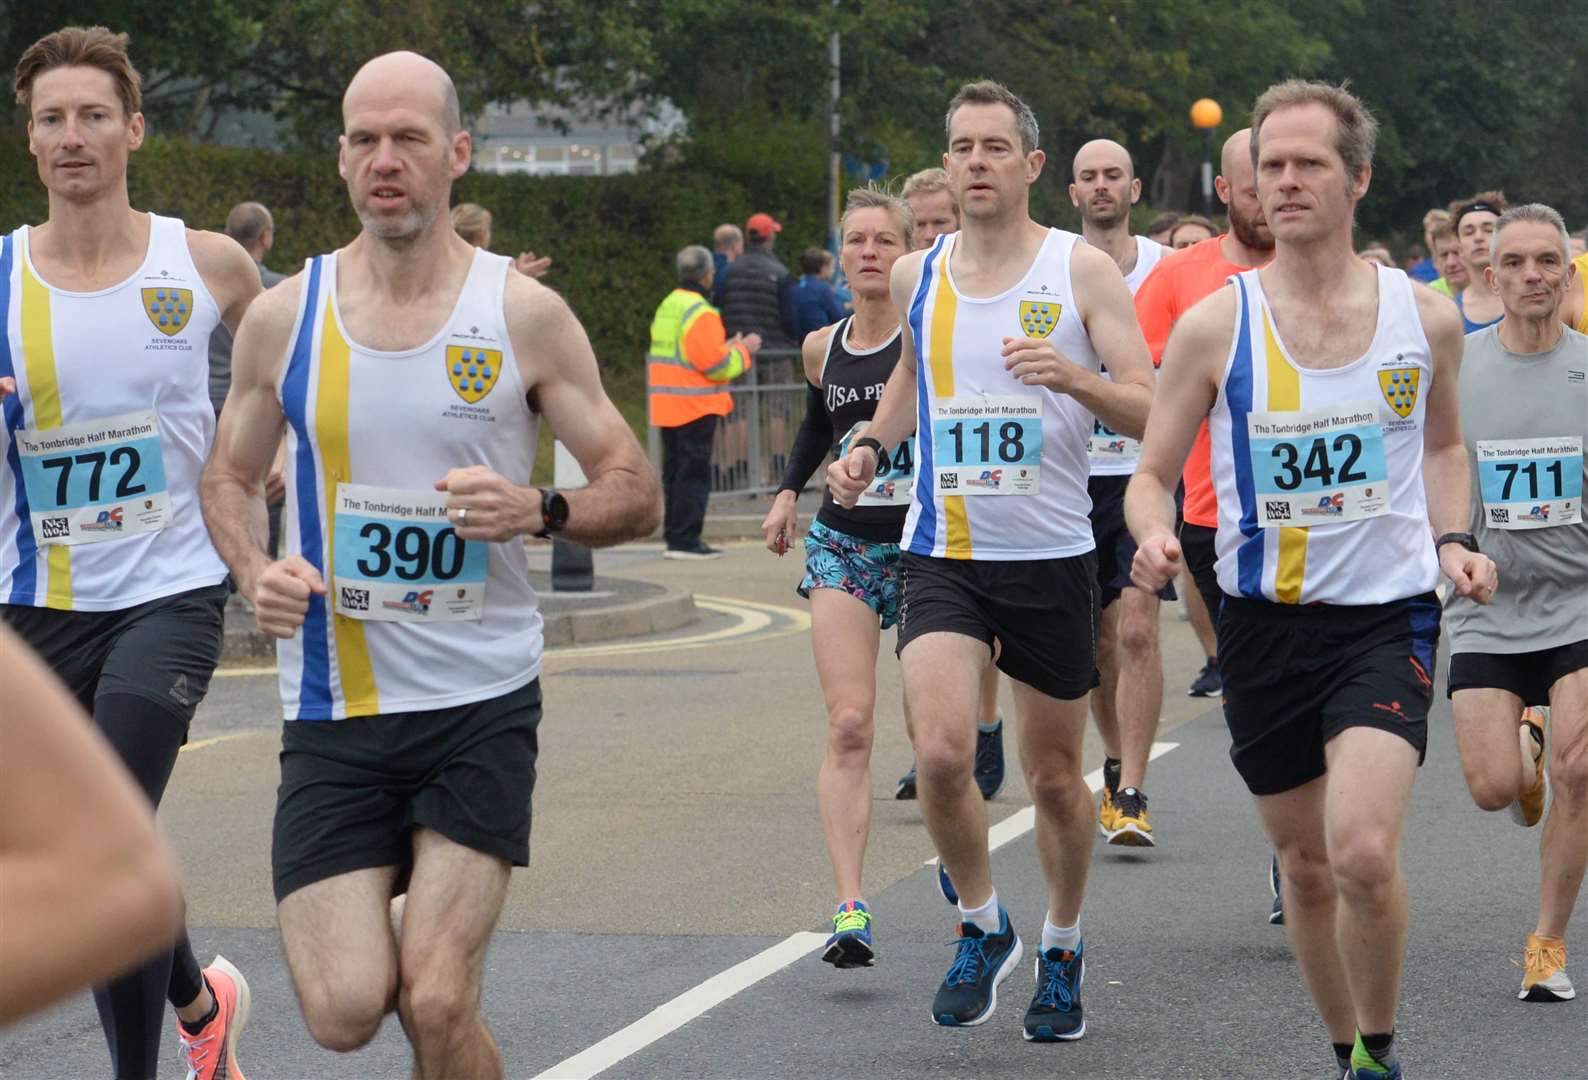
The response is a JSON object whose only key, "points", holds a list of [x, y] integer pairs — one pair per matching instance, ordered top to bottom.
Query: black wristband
{"points": [[876, 448], [1465, 539]]}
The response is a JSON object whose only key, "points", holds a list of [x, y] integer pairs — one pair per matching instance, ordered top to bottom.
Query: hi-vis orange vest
{"points": [[689, 361]]}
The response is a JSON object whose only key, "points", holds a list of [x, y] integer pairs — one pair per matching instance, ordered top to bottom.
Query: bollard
{"points": [[572, 565]]}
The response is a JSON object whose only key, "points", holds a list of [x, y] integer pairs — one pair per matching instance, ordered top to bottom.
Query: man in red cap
{"points": [[756, 291]]}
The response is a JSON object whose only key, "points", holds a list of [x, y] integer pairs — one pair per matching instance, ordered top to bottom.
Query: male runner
{"points": [[932, 204], [1473, 219], [1447, 256], [1178, 283], [1574, 309], [1010, 320], [410, 370], [1524, 413], [1326, 420], [105, 567], [1129, 696]]}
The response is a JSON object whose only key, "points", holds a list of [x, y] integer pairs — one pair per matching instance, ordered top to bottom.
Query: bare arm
{"points": [[230, 275], [1105, 307], [1187, 388], [1447, 474], [233, 487], [623, 498], [68, 807]]}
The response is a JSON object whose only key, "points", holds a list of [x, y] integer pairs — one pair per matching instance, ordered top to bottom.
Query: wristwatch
{"points": [[876, 448], [553, 513], [1466, 540]]}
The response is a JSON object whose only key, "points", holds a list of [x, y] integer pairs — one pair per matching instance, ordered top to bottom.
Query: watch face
{"points": [[555, 511]]}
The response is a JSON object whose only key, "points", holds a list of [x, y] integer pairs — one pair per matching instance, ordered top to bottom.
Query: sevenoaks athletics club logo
{"points": [[168, 309], [1039, 317], [472, 372], [1400, 389]]}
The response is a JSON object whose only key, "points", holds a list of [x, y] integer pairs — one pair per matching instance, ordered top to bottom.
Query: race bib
{"points": [[987, 445], [1107, 445], [1318, 467], [95, 481], [1530, 483], [891, 486], [397, 558]]}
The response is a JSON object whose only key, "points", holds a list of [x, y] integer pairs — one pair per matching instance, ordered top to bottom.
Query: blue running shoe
{"points": [[990, 759], [906, 788], [945, 886], [1276, 914], [850, 945], [969, 993], [1055, 1014], [1365, 1066]]}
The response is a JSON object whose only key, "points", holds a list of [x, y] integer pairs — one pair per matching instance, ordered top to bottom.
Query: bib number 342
{"points": [[1318, 467]]}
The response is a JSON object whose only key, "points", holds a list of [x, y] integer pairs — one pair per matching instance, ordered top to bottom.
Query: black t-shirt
{"points": [[851, 385]]}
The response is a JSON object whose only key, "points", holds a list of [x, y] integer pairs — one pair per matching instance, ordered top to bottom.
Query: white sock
{"points": [[994, 726], [985, 916], [1060, 937]]}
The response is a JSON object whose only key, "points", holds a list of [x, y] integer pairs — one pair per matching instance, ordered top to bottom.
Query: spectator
{"points": [[473, 222], [251, 225], [1161, 226], [1191, 229], [727, 243], [1377, 252], [1426, 269], [1453, 275], [756, 293], [816, 302], [691, 359]]}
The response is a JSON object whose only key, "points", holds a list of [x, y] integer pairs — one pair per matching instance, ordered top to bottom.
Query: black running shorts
{"points": [[1116, 548], [1201, 558], [1043, 614], [163, 651], [1528, 675], [1297, 676], [353, 790]]}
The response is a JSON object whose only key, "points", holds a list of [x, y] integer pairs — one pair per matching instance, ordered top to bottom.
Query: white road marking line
{"points": [[1021, 822], [672, 1015], [669, 1017]]}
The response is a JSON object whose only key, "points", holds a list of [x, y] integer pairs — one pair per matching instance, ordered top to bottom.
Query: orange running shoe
{"points": [[1528, 809], [1544, 977], [212, 1053]]}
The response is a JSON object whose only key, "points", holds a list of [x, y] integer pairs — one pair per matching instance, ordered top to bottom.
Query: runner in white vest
{"points": [[409, 370], [1328, 417]]}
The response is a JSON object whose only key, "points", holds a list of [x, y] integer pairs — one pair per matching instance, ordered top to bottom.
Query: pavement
{"points": [[679, 888]]}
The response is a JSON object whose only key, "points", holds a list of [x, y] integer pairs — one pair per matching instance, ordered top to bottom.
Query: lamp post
{"points": [[1205, 117]]}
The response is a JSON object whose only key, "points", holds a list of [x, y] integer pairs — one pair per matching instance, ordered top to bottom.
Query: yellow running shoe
{"points": [[1528, 809], [1107, 814], [1131, 827], [1544, 977]]}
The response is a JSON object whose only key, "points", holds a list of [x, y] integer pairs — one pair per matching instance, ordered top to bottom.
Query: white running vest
{"points": [[384, 427], [108, 432], [1113, 454], [1331, 461], [1001, 466]]}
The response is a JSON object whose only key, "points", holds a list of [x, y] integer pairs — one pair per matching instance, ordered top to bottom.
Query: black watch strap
{"points": [[876, 448], [553, 513], [1465, 539]]}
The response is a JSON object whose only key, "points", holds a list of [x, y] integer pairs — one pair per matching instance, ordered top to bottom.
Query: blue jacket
{"points": [[816, 305]]}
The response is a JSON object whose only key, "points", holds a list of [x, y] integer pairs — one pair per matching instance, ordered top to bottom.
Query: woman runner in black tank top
{"points": [[851, 556]]}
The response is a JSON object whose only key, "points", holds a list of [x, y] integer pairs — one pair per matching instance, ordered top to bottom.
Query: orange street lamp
{"points": [[1205, 117]]}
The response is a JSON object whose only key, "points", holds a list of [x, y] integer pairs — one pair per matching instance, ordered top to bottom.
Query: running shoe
{"points": [[698, 550], [1208, 683], [990, 759], [906, 788], [1528, 809], [1107, 814], [1131, 827], [945, 886], [1276, 914], [850, 945], [1545, 975], [969, 993], [1055, 1013], [211, 1054], [1364, 1066]]}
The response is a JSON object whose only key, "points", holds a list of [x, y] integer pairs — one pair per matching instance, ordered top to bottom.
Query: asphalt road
{"points": [[666, 924]]}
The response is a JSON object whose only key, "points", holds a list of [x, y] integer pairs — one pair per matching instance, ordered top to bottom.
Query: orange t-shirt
{"points": [[1177, 283]]}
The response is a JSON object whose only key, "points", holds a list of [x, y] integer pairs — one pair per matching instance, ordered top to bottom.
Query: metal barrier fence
{"points": [[754, 441]]}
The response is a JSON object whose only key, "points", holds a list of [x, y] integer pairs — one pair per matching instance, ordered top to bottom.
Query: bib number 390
{"points": [[398, 559]]}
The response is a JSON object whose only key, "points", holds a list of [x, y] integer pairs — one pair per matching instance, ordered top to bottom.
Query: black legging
{"points": [[146, 736]]}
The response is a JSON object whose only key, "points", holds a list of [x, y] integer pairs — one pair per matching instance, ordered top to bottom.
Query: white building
{"points": [[550, 140]]}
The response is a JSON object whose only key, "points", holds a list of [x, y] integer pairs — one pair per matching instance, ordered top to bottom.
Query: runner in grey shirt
{"points": [[1524, 415]]}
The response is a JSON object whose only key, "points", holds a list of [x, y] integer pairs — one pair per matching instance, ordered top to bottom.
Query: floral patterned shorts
{"points": [[865, 569]]}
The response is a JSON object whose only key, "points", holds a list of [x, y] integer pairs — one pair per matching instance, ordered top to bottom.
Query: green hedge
{"points": [[613, 238]]}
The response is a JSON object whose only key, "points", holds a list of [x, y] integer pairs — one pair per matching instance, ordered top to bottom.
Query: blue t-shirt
{"points": [[1423, 270], [815, 305]]}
